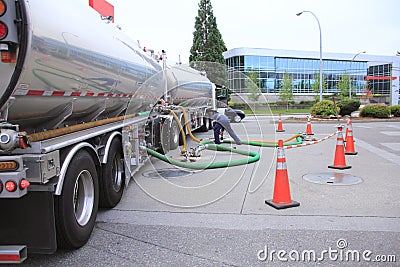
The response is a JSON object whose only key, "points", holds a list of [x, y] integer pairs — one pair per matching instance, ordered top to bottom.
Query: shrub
{"points": [[307, 102], [235, 105], [347, 106], [324, 108], [395, 110], [375, 111]]}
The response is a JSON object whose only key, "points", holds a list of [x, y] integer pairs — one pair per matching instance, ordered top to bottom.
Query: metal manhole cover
{"points": [[167, 173], [332, 178]]}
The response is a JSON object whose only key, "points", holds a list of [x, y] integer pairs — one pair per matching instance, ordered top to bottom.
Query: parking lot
{"points": [[170, 216]]}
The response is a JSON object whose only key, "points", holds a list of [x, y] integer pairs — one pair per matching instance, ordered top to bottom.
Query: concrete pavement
{"points": [[218, 217]]}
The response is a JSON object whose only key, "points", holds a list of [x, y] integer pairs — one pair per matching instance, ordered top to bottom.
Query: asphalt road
{"points": [[218, 217]]}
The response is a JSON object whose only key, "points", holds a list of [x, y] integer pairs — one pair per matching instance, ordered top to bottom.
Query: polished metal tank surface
{"points": [[78, 67]]}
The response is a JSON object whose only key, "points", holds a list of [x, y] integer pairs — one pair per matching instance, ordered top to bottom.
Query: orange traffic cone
{"points": [[280, 127], [308, 128], [350, 140], [339, 161], [281, 198]]}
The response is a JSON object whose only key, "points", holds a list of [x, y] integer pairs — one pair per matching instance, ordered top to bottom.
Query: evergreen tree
{"points": [[208, 44]]}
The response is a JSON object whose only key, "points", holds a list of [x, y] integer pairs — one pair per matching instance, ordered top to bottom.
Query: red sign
{"points": [[103, 7], [380, 78]]}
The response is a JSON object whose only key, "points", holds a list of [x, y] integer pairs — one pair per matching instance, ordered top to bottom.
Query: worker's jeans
{"points": [[217, 131]]}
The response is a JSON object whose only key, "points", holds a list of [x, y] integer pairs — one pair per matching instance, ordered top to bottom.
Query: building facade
{"points": [[377, 75]]}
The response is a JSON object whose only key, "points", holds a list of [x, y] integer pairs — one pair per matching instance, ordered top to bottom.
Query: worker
{"points": [[221, 123]]}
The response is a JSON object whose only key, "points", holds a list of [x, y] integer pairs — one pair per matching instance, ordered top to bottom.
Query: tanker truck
{"points": [[80, 103]]}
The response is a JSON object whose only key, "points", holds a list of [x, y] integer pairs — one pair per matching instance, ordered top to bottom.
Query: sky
{"points": [[347, 26]]}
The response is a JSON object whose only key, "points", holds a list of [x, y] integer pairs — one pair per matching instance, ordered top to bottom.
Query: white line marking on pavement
{"points": [[362, 126], [393, 126], [391, 133], [393, 146], [380, 152]]}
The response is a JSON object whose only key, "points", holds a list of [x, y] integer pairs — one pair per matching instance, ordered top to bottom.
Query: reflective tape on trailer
{"points": [[23, 92], [29, 92]]}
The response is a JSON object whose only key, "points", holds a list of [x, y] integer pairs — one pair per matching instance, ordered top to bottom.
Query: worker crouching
{"points": [[221, 123]]}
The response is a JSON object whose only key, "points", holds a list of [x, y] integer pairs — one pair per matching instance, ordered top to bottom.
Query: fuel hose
{"points": [[253, 157]]}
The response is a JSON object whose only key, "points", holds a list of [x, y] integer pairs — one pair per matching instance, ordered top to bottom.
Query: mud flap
{"points": [[29, 221]]}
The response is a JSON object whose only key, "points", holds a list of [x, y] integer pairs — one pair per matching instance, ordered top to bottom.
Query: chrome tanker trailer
{"points": [[77, 102]]}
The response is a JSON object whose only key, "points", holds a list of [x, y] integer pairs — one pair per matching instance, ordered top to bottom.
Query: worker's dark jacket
{"points": [[222, 122]]}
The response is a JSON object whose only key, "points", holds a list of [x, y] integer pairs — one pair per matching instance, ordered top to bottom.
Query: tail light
{"points": [[3, 8], [3, 26], [3, 30], [8, 33], [8, 165], [24, 184], [10, 186]]}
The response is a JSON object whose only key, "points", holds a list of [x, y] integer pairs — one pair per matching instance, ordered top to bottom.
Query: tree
{"points": [[208, 44], [315, 85], [252, 86], [344, 86], [286, 90]]}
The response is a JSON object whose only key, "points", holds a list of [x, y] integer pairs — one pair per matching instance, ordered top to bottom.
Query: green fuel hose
{"points": [[258, 143], [212, 165]]}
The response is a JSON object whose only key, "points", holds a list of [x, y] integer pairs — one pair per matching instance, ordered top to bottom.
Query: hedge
{"points": [[347, 106], [324, 108], [395, 110], [375, 111]]}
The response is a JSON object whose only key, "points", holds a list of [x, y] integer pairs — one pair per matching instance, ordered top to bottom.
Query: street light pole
{"points": [[320, 52], [363, 52]]}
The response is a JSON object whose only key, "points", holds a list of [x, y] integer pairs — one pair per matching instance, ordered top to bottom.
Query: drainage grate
{"points": [[167, 173], [332, 178]]}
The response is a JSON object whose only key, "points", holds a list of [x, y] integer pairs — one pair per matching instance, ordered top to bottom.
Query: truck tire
{"points": [[205, 126], [210, 126], [165, 138], [174, 138], [112, 181], [76, 208]]}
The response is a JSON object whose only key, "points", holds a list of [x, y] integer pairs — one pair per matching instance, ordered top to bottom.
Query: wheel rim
{"points": [[237, 118], [117, 173], [83, 197]]}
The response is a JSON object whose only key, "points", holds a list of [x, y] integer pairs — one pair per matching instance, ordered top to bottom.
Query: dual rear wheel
{"points": [[83, 192]]}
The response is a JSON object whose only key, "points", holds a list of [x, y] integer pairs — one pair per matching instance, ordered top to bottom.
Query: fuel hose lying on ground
{"points": [[264, 143], [253, 157], [213, 165]]}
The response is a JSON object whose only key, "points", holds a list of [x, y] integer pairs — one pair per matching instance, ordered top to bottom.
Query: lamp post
{"points": [[320, 52], [363, 52]]}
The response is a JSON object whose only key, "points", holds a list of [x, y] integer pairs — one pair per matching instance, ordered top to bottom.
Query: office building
{"points": [[378, 74]]}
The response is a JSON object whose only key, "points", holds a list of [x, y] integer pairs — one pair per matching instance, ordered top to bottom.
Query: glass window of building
{"points": [[305, 72]]}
